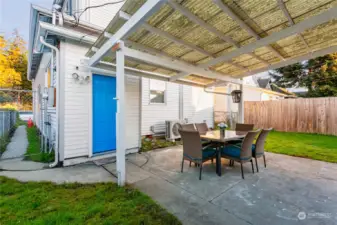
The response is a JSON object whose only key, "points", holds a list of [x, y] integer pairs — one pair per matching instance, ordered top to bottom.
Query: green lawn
{"points": [[313, 146], [33, 150], [102, 203]]}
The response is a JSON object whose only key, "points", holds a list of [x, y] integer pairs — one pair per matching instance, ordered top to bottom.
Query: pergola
{"points": [[207, 42]]}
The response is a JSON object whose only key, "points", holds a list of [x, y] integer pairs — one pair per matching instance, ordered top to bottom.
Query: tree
{"points": [[13, 63], [319, 75], [288, 76], [322, 76]]}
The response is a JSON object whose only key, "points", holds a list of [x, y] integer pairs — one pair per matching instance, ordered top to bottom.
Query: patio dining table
{"points": [[220, 141]]}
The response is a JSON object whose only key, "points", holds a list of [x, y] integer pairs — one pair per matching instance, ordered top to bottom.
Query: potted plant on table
{"points": [[222, 127]]}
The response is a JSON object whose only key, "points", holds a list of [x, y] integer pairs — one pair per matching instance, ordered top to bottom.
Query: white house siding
{"points": [[100, 16], [40, 80], [198, 105], [157, 114], [76, 127]]}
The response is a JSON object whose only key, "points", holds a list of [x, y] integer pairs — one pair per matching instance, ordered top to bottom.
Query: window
{"points": [[157, 91]]}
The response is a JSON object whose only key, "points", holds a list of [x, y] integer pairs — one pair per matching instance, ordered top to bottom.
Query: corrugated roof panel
{"points": [[254, 8], [298, 8], [322, 33], [151, 40], [176, 50], [193, 57], [199, 79]]}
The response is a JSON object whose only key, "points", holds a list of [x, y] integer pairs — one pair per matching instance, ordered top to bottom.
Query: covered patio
{"points": [[209, 43]]}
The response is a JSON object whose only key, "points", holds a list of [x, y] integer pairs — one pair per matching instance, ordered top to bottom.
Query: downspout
{"points": [[60, 15], [54, 16], [57, 51]]}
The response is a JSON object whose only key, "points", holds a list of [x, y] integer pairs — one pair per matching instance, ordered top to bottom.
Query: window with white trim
{"points": [[157, 91]]}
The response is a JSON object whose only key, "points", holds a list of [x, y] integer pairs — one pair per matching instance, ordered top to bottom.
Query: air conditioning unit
{"points": [[172, 127]]}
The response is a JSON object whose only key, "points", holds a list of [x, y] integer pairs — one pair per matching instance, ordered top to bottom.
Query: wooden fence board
{"points": [[308, 115]]}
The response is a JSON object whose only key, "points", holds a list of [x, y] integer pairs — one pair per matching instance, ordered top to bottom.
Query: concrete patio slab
{"points": [[133, 172], [275, 195]]}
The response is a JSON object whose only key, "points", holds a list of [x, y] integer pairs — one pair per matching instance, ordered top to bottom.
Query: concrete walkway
{"points": [[18, 145], [13, 157]]}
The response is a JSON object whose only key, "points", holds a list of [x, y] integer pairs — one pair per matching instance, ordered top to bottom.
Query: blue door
{"points": [[104, 113]]}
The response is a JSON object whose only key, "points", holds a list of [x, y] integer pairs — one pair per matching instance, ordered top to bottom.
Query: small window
{"points": [[157, 91]]}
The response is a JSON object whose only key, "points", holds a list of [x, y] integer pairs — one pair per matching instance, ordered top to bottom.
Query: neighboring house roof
{"points": [[263, 83], [278, 89], [298, 90], [267, 91]]}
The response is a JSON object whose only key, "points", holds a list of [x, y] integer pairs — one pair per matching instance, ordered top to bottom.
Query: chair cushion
{"points": [[235, 142], [253, 146], [233, 151], [253, 151], [208, 153]]}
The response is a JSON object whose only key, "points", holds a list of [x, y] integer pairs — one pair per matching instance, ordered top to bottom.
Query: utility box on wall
{"points": [[51, 97]]}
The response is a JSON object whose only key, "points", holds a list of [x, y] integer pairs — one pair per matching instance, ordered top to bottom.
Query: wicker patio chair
{"points": [[189, 127], [240, 127], [244, 127], [202, 128], [258, 147], [193, 150], [242, 152]]}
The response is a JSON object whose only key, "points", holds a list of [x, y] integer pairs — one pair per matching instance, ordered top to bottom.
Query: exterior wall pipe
{"points": [[54, 16], [60, 16], [57, 52]]}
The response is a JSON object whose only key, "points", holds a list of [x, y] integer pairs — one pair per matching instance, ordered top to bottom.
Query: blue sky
{"points": [[14, 14]]}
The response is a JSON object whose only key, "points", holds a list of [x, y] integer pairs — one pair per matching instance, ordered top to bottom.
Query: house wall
{"points": [[100, 16], [249, 94], [197, 106], [39, 114], [157, 114], [76, 117]]}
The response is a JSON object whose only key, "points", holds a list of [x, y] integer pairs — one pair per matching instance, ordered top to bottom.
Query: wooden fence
{"points": [[309, 115]]}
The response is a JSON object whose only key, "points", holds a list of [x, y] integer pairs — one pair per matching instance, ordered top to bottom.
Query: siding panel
{"points": [[198, 105], [157, 114]]}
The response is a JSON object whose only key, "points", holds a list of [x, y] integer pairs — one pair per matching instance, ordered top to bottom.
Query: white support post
{"points": [[229, 98], [241, 106], [120, 117]]}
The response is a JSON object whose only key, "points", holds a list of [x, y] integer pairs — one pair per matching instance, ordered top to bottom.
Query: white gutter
{"points": [[70, 19], [67, 33], [57, 51]]}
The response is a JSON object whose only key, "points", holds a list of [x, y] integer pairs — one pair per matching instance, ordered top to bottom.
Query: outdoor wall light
{"points": [[75, 76], [81, 79], [236, 96]]}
